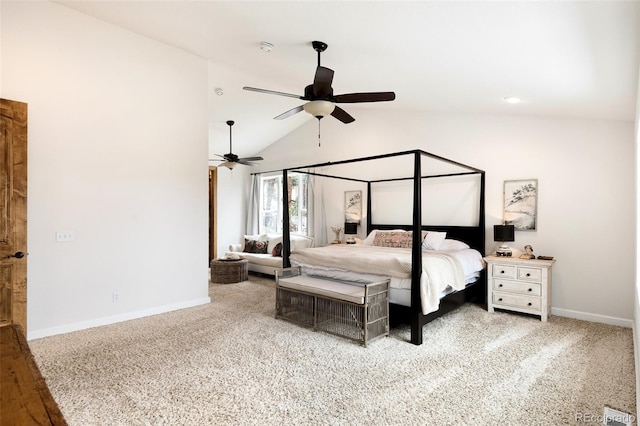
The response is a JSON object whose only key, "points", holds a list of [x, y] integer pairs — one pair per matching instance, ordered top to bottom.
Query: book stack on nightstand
{"points": [[520, 285]]}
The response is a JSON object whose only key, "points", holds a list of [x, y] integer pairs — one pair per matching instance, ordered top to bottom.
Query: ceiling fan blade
{"points": [[322, 81], [271, 92], [350, 98], [288, 113], [342, 115], [250, 159], [246, 163]]}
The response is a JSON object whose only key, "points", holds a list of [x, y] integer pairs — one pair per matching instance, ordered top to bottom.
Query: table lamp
{"points": [[350, 229], [503, 233]]}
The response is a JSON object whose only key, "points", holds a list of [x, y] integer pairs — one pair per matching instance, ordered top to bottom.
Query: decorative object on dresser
{"points": [[521, 204], [350, 229], [337, 230], [503, 233], [528, 253], [519, 285]]}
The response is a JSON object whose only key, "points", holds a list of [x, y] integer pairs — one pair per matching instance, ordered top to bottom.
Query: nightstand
{"points": [[519, 285]]}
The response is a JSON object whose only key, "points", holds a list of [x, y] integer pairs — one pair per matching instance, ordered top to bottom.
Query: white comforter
{"points": [[439, 269]]}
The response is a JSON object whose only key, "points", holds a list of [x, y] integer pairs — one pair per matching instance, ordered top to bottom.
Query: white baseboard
{"points": [[585, 316], [37, 334]]}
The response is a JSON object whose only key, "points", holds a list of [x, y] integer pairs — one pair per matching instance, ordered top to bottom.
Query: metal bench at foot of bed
{"points": [[357, 311]]}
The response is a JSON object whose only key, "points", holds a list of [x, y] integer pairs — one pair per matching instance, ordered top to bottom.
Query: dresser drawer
{"points": [[504, 271], [529, 274], [530, 289], [533, 303]]}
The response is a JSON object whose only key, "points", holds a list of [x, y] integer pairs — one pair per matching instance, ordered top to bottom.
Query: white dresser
{"points": [[519, 285]]}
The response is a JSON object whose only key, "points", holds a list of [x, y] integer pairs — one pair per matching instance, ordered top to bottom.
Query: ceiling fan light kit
{"points": [[320, 97], [319, 108]]}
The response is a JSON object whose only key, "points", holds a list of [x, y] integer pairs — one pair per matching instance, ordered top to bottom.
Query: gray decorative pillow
{"points": [[253, 246]]}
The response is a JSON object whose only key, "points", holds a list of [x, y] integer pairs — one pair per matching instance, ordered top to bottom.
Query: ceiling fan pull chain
{"points": [[318, 132]]}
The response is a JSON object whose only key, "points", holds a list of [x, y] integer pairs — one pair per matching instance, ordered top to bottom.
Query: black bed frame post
{"points": [[481, 218], [481, 223], [368, 230], [286, 242], [416, 253]]}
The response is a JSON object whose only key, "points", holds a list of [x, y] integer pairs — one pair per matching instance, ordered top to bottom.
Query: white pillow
{"points": [[369, 240], [433, 240], [273, 241], [453, 245]]}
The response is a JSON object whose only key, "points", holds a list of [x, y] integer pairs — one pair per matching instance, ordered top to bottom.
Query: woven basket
{"points": [[229, 271]]}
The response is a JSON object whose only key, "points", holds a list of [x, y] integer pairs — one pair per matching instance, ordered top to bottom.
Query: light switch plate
{"points": [[64, 236]]}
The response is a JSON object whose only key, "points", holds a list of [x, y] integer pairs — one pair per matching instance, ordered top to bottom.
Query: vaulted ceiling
{"points": [[564, 59]]}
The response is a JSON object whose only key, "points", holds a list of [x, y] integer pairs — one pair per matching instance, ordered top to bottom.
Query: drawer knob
{"points": [[502, 272], [528, 274], [499, 285], [530, 289], [500, 300], [529, 304]]}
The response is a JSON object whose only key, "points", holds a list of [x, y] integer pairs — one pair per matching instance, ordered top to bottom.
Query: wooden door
{"points": [[13, 213], [213, 213]]}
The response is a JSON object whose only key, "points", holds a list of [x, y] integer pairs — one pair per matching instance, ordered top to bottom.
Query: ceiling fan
{"points": [[320, 95], [230, 160]]}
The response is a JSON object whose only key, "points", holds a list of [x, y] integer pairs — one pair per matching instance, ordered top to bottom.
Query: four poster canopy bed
{"points": [[431, 272]]}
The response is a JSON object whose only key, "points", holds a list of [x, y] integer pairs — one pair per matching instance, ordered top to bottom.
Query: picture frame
{"points": [[520, 205], [353, 206]]}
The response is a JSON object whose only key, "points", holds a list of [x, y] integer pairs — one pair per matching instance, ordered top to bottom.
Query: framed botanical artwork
{"points": [[521, 204], [352, 206]]}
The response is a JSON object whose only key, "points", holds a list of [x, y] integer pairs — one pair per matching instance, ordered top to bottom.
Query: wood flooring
{"points": [[24, 396]]}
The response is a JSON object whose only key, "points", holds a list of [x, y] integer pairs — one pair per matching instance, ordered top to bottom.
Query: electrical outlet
{"points": [[64, 236], [115, 297]]}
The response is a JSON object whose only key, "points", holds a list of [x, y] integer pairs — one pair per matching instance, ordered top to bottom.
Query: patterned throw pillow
{"points": [[392, 239], [398, 239], [253, 246], [277, 250]]}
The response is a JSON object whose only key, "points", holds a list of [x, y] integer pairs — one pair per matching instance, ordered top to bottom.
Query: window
{"points": [[271, 204]]}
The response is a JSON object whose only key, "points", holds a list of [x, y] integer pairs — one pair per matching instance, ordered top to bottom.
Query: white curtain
{"points": [[253, 206], [316, 207]]}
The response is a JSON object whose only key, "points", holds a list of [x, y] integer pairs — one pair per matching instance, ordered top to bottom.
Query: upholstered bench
{"points": [[357, 311]]}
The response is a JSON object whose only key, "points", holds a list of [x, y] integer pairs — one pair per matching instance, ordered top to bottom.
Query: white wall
{"points": [[118, 155], [585, 171], [233, 193], [636, 298]]}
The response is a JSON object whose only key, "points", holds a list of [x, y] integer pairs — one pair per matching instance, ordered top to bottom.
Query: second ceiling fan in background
{"points": [[320, 95]]}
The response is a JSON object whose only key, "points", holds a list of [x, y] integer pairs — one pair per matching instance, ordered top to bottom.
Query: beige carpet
{"points": [[231, 362]]}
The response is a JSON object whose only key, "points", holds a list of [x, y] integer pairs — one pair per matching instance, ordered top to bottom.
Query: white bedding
{"points": [[442, 271]]}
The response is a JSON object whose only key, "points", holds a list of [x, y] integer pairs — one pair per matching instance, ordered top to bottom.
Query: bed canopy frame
{"points": [[472, 235]]}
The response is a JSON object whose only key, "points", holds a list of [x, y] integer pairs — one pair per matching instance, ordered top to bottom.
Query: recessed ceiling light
{"points": [[265, 46], [219, 91], [512, 99]]}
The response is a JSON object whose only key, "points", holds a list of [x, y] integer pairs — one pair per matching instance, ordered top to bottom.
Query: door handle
{"points": [[18, 255]]}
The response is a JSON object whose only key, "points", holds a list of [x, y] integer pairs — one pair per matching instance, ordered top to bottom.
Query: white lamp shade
{"points": [[319, 108], [229, 165]]}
